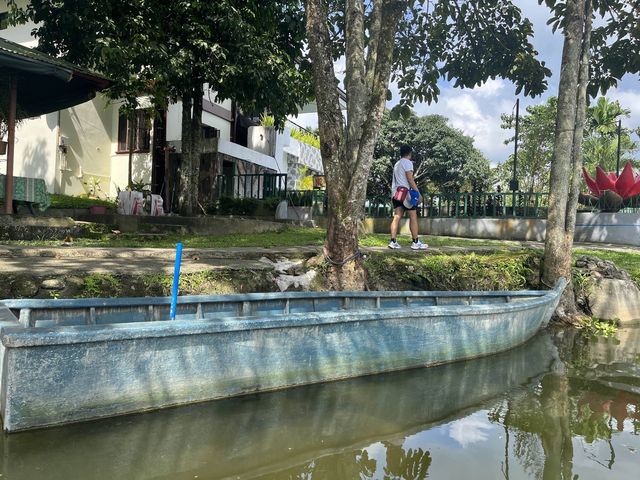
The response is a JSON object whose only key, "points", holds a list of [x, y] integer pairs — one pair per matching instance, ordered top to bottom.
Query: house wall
{"points": [[174, 122], [86, 130], [36, 150]]}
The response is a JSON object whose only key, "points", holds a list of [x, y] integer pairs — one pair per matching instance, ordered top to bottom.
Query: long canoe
{"points": [[67, 361]]}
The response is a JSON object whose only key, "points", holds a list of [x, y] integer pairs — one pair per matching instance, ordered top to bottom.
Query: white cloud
{"points": [[491, 87], [628, 99], [477, 114], [470, 430]]}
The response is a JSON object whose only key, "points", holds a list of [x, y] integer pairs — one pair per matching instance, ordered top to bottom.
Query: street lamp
{"points": [[513, 184]]}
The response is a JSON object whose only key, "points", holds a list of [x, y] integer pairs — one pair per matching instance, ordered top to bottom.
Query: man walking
{"points": [[405, 193]]}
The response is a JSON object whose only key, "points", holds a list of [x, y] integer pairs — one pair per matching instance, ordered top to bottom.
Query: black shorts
{"points": [[399, 204]]}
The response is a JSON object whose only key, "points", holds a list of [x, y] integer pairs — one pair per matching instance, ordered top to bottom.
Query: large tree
{"points": [[413, 43], [248, 51], [578, 75], [445, 158]]}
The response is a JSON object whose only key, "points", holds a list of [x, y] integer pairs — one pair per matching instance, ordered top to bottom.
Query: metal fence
{"points": [[258, 185], [438, 205], [470, 205]]}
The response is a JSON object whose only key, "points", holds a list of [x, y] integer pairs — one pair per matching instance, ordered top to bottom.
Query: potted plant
{"points": [[93, 189], [97, 210]]}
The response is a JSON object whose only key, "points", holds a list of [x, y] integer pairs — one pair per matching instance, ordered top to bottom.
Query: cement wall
{"points": [[616, 228]]}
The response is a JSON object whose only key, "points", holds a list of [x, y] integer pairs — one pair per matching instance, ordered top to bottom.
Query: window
{"points": [[4, 20], [140, 129], [209, 132]]}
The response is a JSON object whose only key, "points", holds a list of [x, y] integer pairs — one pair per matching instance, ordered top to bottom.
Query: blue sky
{"points": [[477, 111]]}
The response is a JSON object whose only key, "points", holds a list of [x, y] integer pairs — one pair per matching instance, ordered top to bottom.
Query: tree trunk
{"points": [[132, 134], [191, 149], [347, 150], [567, 157]]}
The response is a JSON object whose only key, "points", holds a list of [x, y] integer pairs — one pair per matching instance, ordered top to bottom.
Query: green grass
{"points": [[67, 202], [288, 238], [381, 240], [463, 271]]}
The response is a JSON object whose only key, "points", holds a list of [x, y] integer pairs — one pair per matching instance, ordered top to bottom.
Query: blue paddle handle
{"points": [[176, 281]]}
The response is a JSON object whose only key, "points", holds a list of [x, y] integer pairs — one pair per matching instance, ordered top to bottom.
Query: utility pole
{"points": [[619, 147], [513, 184]]}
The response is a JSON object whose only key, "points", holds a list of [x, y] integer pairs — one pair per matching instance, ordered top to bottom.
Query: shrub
{"points": [[305, 137], [65, 201], [271, 204], [237, 206]]}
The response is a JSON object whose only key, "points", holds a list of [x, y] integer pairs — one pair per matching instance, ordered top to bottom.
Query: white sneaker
{"points": [[394, 245], [419, 245]]}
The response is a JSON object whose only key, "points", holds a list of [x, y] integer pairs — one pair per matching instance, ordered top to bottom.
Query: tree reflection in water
{"points": [[582, 399], [401, 464], [406, 464]]}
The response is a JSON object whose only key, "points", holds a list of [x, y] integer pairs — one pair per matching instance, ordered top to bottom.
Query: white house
{"points": [[85, 149]]}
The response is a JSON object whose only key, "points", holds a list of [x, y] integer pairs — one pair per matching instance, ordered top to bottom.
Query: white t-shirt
{"points": [[400, 170]]}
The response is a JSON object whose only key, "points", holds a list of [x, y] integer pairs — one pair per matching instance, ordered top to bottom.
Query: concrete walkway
{"points": [[43, 261]]}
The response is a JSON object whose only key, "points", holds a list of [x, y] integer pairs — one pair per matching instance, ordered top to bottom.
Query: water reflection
{"points": [[592, 395], [560, 407]]}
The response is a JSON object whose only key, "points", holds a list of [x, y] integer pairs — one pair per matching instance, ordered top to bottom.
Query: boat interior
{"points": [[49, 313]]}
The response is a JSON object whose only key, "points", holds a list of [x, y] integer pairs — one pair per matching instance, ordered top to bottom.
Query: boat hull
{"points": [[69, 374]]}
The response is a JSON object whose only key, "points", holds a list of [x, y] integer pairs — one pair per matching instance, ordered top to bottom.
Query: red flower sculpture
{"points": [[627, 185]]}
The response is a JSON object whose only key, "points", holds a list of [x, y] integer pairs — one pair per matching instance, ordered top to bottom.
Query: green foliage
{"points": [[615, 36], [465, 41], [248, 51], [267, 120], [537, 135], [306, 137], [536, 139], [600, 146], [445, 159], [305, 179], [67, 202], [271, 204], [246, 207], [101, 285], [602, 328]]}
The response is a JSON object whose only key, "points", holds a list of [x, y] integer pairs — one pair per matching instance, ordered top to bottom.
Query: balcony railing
{"points": [[258, 186]]}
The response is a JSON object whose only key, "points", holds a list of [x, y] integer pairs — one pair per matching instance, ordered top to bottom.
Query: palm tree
{"points": [[601, 143]]}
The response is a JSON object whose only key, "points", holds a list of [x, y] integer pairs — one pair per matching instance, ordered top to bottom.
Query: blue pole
{"points": [[176, 280]]}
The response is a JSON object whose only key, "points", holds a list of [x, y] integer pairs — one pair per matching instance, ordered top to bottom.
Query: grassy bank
{"points": [[103, 237], [629, 261], [501, 270]]}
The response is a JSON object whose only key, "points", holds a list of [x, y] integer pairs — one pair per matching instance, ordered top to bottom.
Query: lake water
{"points": [[563, 406]]}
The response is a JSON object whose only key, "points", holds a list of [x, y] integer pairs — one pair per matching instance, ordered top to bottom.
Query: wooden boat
{"points": [[73, 360]]}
